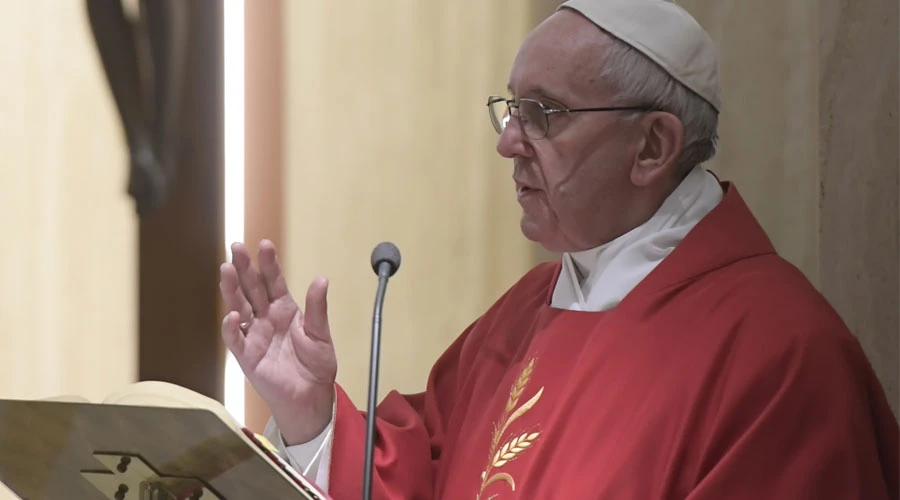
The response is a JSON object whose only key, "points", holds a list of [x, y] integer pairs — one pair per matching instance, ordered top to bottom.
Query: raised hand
{"points": [[287, 356]]}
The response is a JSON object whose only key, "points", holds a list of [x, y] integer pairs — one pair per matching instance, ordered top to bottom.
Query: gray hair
{"points": [[639, 80]]}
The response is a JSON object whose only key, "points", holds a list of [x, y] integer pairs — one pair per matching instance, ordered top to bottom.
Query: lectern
{"points": [[61, 450]]}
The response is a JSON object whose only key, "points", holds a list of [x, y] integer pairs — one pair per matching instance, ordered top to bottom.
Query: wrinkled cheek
{"points": [[565, 195], [551, 203], [538, 212]]}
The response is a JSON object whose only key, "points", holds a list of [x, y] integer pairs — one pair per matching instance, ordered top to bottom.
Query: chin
{"points": [[537, 232], [545, 234]]}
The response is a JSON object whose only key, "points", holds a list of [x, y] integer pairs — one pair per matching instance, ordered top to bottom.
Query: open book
{"points": [[150, 438]]}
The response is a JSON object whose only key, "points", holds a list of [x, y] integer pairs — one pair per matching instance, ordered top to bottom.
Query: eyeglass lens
{"points": [[531, 114]]}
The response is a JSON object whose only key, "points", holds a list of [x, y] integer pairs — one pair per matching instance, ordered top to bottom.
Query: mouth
{"points": [[523, 190]]}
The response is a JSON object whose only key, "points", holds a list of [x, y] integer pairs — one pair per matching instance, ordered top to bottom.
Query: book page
{"points": [[167, 395], [67, 398]]}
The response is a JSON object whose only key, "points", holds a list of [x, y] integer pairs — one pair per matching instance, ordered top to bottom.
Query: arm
{"points": [[288, 357], [409, 439]]}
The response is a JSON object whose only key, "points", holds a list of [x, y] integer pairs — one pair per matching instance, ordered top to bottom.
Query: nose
{"points": [[512, 142]]}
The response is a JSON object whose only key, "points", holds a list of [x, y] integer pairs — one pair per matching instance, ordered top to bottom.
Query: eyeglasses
{"points": [[534, 115]]}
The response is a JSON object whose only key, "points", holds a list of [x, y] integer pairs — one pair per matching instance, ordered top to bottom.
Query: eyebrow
{"points": [[538, 92]]}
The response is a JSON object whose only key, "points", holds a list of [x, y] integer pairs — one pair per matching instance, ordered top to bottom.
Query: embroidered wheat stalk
{"points": [[519, 387], [514, 394], [513, 448]]}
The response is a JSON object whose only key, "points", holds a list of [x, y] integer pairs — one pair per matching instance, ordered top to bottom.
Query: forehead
{"points": [[560, 59]]}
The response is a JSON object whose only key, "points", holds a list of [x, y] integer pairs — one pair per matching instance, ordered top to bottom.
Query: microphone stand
{"points": [[384, 273]]}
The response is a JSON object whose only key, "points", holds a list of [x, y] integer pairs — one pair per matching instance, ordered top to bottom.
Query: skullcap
{"points": [[665, 33]]}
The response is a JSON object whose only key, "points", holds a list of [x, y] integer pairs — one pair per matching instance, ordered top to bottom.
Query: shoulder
{"points": [[539, 280], [769, 291], [529, 293], [513, 311], [777, 328]]}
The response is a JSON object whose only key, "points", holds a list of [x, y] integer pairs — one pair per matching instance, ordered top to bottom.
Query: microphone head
{"points": [[386, 252]]}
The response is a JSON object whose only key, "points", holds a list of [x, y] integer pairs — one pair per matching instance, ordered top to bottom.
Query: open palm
{"points": [[286, 355]]}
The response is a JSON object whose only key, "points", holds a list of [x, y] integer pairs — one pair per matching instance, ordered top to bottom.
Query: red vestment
{"points": [[723, 375]]}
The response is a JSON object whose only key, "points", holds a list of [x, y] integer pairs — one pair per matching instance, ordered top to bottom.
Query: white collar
{"points": [[613, 269]]}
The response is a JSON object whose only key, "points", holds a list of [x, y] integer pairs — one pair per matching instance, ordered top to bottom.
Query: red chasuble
{"points": [[722, 375]]}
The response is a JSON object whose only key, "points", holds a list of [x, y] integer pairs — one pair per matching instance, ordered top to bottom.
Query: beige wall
{"points": [[768, 127], [389, 139], [859, 157], [67, 262]]}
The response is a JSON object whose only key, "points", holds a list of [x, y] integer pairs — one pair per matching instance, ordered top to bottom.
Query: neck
{"points": [[646, 202], [598, 278]]}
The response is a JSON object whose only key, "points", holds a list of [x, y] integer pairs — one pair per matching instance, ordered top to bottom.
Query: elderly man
{"points": [[670, 354]]}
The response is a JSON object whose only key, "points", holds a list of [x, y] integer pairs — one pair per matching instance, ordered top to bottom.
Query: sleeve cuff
{"points": [[312, 459]]}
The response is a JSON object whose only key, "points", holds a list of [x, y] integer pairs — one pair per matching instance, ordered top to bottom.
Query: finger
{"points": [[273, 278], [249, 279], [232, 295], [315, 322], [232, 334]]}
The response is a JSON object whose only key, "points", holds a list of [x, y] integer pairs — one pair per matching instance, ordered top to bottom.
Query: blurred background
{"points": [[328, 127]]}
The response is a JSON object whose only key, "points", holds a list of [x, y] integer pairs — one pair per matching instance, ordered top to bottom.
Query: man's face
{"points": [[574, 184]]}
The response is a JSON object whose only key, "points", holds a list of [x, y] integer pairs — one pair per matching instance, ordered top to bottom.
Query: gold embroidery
{"points": [[502, 455]]}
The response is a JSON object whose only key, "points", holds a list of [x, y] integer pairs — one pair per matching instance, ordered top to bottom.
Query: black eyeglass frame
{"points": [[547, 111]]}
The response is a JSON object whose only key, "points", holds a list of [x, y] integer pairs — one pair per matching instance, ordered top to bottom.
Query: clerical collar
{"points": [[584, 260], [597, 279]]}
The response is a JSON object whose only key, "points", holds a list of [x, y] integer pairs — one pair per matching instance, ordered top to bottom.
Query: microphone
{"points": [[386, 254], [385, 262]]}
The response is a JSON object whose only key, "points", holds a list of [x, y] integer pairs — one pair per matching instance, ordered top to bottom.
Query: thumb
{"points": [[315, 321]]}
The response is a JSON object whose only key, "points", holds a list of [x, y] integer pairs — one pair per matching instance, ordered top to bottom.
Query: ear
{"points": [[662, 145]]}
